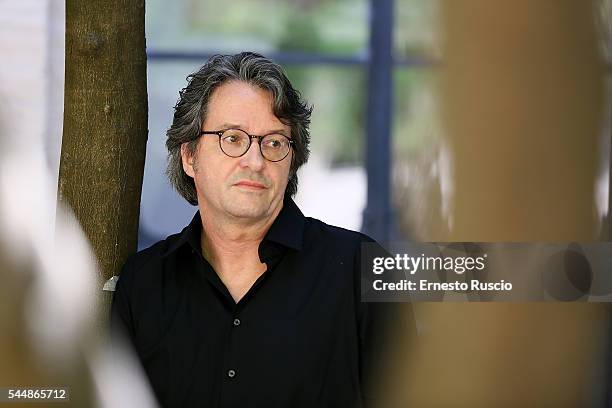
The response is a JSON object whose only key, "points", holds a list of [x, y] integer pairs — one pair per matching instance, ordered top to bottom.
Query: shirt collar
{"points": [[288, 227], [287, 230]]}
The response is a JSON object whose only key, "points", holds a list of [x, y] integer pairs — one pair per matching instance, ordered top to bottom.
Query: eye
{"points": [[234, 137], [274, 142]]}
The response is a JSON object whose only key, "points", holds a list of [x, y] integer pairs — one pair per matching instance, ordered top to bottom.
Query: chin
{"points": [[247, 209]]}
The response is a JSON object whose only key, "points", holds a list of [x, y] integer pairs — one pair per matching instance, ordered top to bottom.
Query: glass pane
{"points": [[325, 26], [416, 28], [415, 122], [338, 124], [421, 166], [332, 184], [162, 210]]}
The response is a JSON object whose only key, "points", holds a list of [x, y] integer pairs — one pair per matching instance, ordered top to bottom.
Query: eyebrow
{"points": [[234, 126]]}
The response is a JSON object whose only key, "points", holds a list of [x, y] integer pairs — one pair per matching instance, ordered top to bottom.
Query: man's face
{"points": [[246, 187]]}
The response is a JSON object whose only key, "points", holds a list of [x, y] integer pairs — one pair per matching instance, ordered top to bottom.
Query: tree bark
{"points": [[105, 125]]}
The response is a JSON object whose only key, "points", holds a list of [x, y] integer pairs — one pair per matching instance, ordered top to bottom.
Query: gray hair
{"points": [[190, 112]]}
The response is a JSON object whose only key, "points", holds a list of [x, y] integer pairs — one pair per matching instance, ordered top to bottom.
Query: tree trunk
{"points": [[105, 125]]}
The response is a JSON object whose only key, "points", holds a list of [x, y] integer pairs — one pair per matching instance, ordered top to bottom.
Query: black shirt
{"points": [[300, 337]]}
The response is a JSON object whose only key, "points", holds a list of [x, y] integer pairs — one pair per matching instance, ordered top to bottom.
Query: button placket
{"points": [[231, 372]]}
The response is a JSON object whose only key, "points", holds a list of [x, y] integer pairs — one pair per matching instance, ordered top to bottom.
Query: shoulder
{"points": [[315, 226], [320, 233], [152, 253], [146, 261]]}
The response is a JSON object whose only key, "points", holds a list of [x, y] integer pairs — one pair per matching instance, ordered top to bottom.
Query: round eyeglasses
{"points": [[236, 142]]}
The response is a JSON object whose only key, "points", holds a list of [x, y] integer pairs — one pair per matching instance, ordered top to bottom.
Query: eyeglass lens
{"points": [[235, 143]]}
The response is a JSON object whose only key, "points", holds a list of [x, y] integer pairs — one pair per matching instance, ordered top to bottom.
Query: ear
{"points": [[188, 159]]}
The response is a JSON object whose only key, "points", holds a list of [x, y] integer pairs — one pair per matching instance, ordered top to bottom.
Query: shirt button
{"points": [[236, 322], [231, 373]]}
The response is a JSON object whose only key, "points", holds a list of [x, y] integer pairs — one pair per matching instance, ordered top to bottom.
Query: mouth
{"points": [[251, 185]]}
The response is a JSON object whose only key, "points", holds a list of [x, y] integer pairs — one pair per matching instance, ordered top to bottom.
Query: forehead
{"points": [[242, 104]]}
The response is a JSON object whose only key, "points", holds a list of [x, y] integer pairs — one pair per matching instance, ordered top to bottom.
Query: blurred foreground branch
{"points": [[523, 87]]}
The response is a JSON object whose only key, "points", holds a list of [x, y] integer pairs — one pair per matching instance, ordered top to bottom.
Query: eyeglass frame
{"points": [[251, 137]]}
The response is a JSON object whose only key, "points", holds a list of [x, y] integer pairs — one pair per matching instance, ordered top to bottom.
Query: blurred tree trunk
{"points": [[523, 87], [105, 126]]}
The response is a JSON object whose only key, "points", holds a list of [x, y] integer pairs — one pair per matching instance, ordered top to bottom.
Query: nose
{"points": [[253, 158]]}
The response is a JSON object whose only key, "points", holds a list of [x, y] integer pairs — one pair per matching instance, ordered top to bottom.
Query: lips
{"points": [[250, 184]]}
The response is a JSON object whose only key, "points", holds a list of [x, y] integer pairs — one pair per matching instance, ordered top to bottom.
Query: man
{"points": [[252, 304]]}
